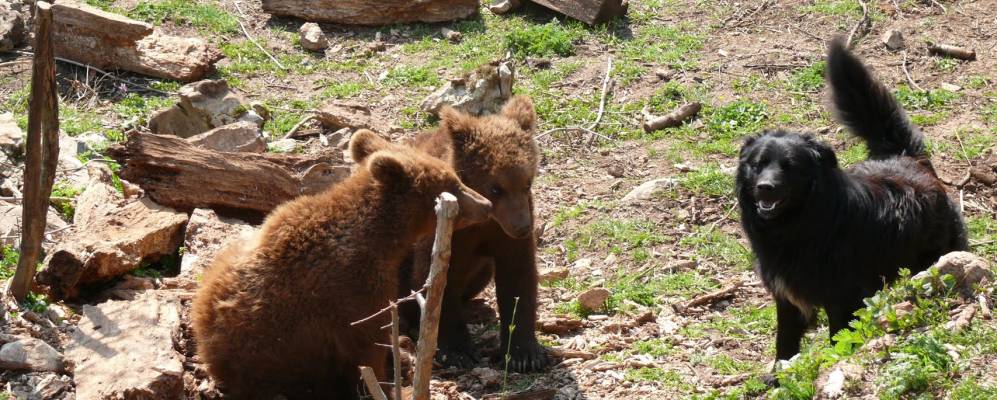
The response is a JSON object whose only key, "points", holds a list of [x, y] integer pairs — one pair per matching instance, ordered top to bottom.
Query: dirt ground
{"points": [[755, 65]]}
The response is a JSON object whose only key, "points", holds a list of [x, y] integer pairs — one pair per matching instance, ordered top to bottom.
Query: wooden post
{"points": [[42, 149], [446, 212], [396, 353], [373, 386]]}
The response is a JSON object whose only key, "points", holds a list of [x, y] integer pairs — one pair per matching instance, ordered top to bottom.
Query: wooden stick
{"points": [[863, 21], [250, 37], [952, 51], [910, 79], [602, 99], [674, 118], [294, 130], [42, 153], [446, 212], [710, 298], [396, 353], [370, 380]]}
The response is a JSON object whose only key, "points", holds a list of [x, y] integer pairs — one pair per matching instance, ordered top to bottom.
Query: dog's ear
{"points": [[746, 146], [821, 152]]}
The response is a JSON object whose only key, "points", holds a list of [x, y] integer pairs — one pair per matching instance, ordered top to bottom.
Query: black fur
{"points": [[826, 237]]}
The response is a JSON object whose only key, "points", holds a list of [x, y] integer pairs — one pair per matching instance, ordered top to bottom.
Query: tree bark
{"points": [[366, 12], [42, 153], [177, 174], [446, 212]]}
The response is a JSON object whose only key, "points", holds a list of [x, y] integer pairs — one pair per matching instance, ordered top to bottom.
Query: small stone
{"points": [[503, 6], [452, 35], [312, 37], [893, 39], [665, 74], [950, 87], [482, 92], [11, 136], [283, 146], [616, 171], [649, 190], [610, 260], [582, 264], [968, 269], [551, 275], [594, 299], [56, 314], [30, 354], [487, 376], [51, 386]]}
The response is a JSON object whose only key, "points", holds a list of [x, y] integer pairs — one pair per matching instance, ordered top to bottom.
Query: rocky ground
{"points": [[644, 221]]}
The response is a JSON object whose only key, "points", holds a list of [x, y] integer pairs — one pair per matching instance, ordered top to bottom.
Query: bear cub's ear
{"points": [[520, 109], [458, 124], [364, 143], [388, 168]]}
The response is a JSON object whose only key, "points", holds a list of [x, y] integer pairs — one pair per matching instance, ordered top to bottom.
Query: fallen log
{"points": [[588, 11], [365, 12], [106, 40], [952, 51], [177, 174], [709, 298]]}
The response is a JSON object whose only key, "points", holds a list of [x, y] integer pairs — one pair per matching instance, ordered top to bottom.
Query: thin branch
{"points": [[940, 5], [863, 21], [250, 37], [907, 73], [106, 74], [605, 91], [298, 126], [573, 129], [393, 304], [396, 354], [373, 386]]}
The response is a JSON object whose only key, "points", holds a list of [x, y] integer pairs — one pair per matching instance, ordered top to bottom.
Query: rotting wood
{"points": [[588, 11], [365, 12], [961, 53], [674, 118], [42, 153], [177, 174], [446, 213], [709, 298], [370, 380]]}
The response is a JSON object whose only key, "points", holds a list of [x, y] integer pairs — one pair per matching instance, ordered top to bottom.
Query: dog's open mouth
{"points": [[769, 207]]}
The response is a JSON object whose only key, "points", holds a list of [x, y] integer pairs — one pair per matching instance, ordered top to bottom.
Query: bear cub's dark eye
{"points": [[496, 191]]}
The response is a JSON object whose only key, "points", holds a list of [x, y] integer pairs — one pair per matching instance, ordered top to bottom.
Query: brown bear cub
{"points": [[496, 156], [273, 315]]}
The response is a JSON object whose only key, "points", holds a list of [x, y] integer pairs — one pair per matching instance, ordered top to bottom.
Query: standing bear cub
{"points": [[496, 156], [273, 315]]}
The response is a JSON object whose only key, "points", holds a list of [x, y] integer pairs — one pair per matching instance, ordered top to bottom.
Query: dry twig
{"points": [[862, 22], [250, 37], [106, 74], [910, 79], [602, 100], [674, 118], [294, 130], [446, 213], [709, 298], [370, 380]]}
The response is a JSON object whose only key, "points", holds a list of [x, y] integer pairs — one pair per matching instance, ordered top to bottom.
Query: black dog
{"points": [[828, 237]]}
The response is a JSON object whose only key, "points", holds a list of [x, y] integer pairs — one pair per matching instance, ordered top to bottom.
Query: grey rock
{"points": [[312, 37], [893, 39], [483, 91], [203, 106], [11, 136], [240, 136], [649, 190], [206, 235], [30, 354]]}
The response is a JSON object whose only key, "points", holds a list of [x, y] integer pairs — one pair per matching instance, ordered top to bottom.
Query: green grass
{"points": [[834, 8], [204, 17], [550, 39], [675, 46], [946, 64], [412, 76], [808, 79], [344, 90], [931, 100], [989, 113], [928, 118], [727, 125], [973, 143], [856, 153], [709, 180], [66, 207], [983, 228], [617, 236], [715, 245], [8, 262], [744, 322], [653, 348], [727, 365], [659, 375]]}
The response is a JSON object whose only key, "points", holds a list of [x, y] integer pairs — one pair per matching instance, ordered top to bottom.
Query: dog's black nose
{"points": [[765, 186]]}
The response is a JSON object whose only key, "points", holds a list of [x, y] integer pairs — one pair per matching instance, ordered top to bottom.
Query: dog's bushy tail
{"points": [[868, 109]]}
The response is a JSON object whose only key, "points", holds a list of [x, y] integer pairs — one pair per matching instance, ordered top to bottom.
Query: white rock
{"points": [[312, 37], [893, 39], [950, 87], [482, 92], [11, 136], [283, 146], [650, 189], [206, 234], [550, 275], [124, 349], [30, 354]]}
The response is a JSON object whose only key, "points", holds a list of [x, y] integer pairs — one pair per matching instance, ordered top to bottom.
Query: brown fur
{"points": [[497, 156], [273, 315]]}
